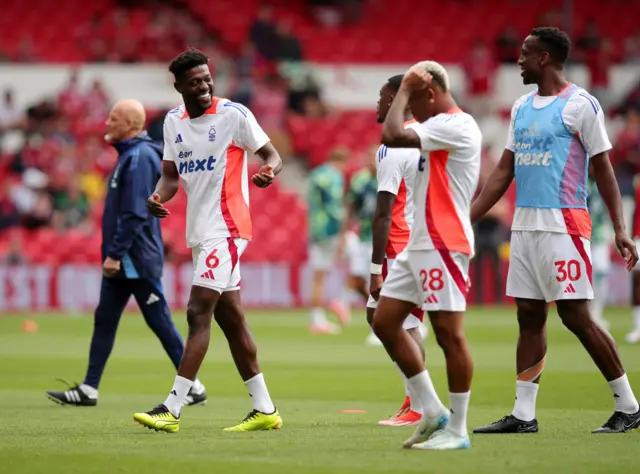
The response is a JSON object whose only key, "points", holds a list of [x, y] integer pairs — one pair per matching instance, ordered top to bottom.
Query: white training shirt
{"points": [[583, 117], [210, 153], [396, 171], [446, 180]]}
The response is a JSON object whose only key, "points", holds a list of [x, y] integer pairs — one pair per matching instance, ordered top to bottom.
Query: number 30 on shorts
{"points": [[212, 260], [568, 270], [432, 280]]}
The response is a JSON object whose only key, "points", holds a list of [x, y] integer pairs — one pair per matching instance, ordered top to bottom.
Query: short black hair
{"points": [[555, 41], [187, 60], [394, 82]]}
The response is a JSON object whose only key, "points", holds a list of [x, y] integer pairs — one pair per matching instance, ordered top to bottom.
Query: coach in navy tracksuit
{"points": [[132, 253]]}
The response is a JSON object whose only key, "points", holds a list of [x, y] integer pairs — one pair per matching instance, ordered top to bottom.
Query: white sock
{"points": [[318, 317], [636, 318], [197, 386], [422, 386], [407, 390], [89, 391], [178, 393], [259, 394], [625, 400], [525, 407], [459, 408]]}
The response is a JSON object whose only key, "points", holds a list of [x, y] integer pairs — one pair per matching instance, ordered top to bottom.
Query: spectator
{"points": [[263, 33], [589, 42], [508, 45], [289, 48], [632, 48], [26, 53], [246, 61], [599, 62], [480, 69], [71, 100], [96, 103], [269, 104], [10, 116], [626, 155], [32, 200], [71, 207], [9, 216], [15, 253]]}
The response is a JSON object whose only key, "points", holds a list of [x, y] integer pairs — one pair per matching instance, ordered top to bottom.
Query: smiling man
{"points": [[556, 132], [206, 143]]}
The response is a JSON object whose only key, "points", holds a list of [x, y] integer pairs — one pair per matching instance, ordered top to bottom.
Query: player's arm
{"points": [[588, 121], [394, 134], [252, 138], [272, 166], [169, 182], [495, 187], [134, 188], [608, 188], [380, 227]]}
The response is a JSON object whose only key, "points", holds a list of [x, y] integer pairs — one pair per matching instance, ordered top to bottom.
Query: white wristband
{"points": [[376, 269]]}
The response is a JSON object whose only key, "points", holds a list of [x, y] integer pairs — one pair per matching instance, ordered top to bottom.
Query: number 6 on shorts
{"points": [[212, 260]]}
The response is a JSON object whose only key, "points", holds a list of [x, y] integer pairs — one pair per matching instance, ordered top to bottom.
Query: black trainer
{"points": [[74, 396], [194, 398], [620, 423], [509, 424]]}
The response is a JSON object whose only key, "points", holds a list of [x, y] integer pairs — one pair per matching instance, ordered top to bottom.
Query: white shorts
{"points": [[322, 255], [601, 258], [360, 260], [216, 263], [549, 266], [435, 280], [417, 315]]}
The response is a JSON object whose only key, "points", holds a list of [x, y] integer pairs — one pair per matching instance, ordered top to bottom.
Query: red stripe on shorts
{"points": [[233, 251], [583, 253], [454, 271]]}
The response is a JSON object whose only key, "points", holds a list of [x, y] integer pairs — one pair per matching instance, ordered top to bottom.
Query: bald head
{"points": [[125, 121]]}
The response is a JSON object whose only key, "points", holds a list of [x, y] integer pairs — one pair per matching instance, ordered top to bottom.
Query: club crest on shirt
{"points": [[212, 134]]}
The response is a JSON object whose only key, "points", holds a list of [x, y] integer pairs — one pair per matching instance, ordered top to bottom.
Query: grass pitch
{"points": [[311, 379]]}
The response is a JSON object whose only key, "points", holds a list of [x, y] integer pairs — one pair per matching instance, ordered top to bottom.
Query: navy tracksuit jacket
{"points": [[132, 236]]}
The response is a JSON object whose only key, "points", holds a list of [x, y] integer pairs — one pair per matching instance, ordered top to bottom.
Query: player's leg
{"points": [[321, 259], [213, 261], [444, 282], [571, 289], [114, 294], [399, 296], [154, 307], [532, 310], [230, 317], [634, 336], [602, 349], [410, 411]]}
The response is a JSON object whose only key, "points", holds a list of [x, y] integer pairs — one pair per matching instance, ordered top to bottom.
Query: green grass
{"points": [[311, 378]]}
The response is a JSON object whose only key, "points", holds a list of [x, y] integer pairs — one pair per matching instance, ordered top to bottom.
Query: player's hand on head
{"points": [[416, 79], [264, 177], [155, 207], [627, 249]]}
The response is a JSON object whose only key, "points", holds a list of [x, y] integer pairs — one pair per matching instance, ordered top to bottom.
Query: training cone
{"points": [[29, 325]]}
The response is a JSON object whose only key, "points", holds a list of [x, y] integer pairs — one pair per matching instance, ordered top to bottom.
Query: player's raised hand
{"points": [[416, 79], [264, 177], [156, 209], [627, 249]]}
